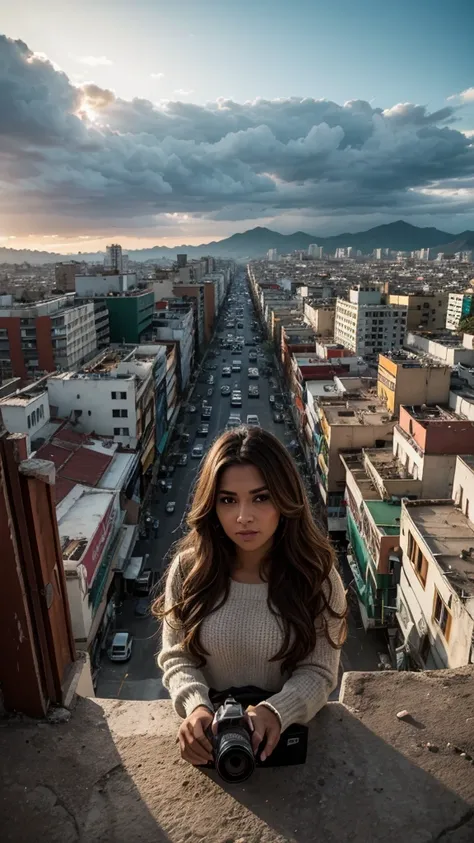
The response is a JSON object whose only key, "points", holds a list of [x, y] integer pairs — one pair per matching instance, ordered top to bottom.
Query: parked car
{"points": [[226, 371], [210, 380], [225, 390], [210, 392], [254, 392], [271, 398], [236, 399], [278, 407], [192, 408], [206, 412], [278, 418], [202, 430], [197, 452], [183, 459], [169, 485], [163, 486], [170, 507], [144, 582], [142, 607], [120, 649]]}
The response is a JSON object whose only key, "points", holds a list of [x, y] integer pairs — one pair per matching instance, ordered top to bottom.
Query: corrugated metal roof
{"points": [[72, 436], [52, 452], [86, 466], [62, 487]]}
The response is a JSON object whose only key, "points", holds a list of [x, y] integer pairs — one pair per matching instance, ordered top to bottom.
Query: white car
{"points": [[236, 399], [252, 420], [197, 452], [170, 507], [120, 649]]}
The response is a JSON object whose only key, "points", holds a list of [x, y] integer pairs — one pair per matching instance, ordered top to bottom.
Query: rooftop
{"points": [[443, 337], [410, 360], [355, 411], [428, 415], [386, 516], [450, 536], [112, 773]]}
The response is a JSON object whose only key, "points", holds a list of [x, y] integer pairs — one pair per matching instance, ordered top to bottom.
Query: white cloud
{"points": [[95, 61], [157, 75], [181, 92], [464, 96]]}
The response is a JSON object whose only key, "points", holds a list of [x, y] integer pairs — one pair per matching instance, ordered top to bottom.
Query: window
{"points": [[114, 395], [123, 395], [116, 414], [124, 414], [29, 421], [116, 431], [121, 431], [125, 431], [419, 562], [441, 615]]}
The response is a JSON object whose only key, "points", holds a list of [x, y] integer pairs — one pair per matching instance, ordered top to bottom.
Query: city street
{"points": [[140, 678]]}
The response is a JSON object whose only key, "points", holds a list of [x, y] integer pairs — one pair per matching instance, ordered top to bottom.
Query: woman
{"points": [[252, 596]]}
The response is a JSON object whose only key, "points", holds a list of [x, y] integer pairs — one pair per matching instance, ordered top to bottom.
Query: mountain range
{"points": [[254, 243]]}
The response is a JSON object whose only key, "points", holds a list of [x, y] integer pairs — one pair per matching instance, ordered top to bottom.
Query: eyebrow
{"points": [[252, 491]]}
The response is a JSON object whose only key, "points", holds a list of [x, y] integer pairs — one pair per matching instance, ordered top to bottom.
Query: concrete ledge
{"points": [[112, 774]]}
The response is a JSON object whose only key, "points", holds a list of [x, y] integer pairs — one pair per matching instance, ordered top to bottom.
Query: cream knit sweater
{"points": [[240, 638]]}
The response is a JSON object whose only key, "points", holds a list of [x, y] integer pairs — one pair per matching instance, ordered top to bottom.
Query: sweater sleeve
{"points": [[181, 677], [308, 688]]}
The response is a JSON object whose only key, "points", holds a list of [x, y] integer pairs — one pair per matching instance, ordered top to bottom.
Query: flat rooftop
{"points": [[409, 360], [356, 412], [428, 415], [447, 532]]}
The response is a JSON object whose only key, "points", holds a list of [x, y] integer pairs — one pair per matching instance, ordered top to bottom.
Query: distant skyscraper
{"points": [[315, 251], [378, 254], [272, 255], [423, 255], [114, 258], [181, 261]]}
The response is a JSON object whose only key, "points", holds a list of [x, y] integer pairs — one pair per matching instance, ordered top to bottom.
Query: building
{"points": [[315, 251], [378, 254], [272, 255], [114, 259], [181, 260], [65, 276], [103, 285], [204, 295], [460, 306], [426, 311], [130, 315], [320, 317], [174, 325], [366, 326], [57, 333], [443, 346], [405, 378], [114, 396], [26, 411], [426, 441], [435, 603]]}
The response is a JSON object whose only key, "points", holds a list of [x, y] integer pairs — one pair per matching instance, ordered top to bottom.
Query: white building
{"points": [[315, 251], [378, 254], [272, 255], [114, 259], [102, 285], [460, 306], [177, 325], [367, 327], [26, 412], [435, 602]]}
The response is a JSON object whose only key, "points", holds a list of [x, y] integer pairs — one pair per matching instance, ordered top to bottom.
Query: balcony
{"points": [[111, 773]]}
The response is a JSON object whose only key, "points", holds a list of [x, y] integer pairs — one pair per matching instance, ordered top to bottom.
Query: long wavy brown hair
{"points": [[296, 567]]}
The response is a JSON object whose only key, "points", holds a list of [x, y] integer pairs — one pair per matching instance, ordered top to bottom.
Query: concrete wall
{"points": [[429, 311], [446, 354], [411, 384], [94, 398], [15, 418], [453, 436], [352, 437], [436, 472], [463, 487], [81, 614], [455, 652]]}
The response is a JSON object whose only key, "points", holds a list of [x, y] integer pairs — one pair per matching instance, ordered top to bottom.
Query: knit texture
{"points": [[240, 638]]}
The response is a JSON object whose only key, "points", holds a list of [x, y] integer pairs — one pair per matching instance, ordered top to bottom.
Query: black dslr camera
{"points": [[234, 758]]}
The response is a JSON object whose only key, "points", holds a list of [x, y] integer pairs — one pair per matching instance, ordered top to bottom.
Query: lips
{"points": [[248, 533]]}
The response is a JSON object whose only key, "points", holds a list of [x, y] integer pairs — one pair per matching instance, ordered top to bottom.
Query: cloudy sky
{"points": [[185, 121]]}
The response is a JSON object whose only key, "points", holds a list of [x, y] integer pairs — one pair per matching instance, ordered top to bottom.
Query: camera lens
{"points": [[235, 761]]}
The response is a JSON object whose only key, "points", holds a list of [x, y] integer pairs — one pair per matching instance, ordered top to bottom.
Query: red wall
{"points": [[12, 324], [44, 343], [321, 373], [446, 436]]}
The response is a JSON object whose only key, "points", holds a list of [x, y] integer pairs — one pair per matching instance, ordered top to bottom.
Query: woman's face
{"points": [[244, 507]]}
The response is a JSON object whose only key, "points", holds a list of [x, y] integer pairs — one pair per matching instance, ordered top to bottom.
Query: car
{"points": [[252, 355], [236, 365], [212, 367], [226, 371], [253, 373], [210, 380], [225, 390], [210, 392], [254, 393], [271, 398], [236, 399], [278, 407], [192, 408], [206, 413], [278, 418], [252, 420], [232, 424], [202, 430], [185, 437], [197, 452], [183, 459], [163, 470], [171, 470], [169, 485], [163, 486], [170, 507], [144, 582], [142, 607], [120, 649]]}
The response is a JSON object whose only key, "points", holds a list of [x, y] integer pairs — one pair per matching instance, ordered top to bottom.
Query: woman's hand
{"points": [[265, 725], [195, 746]]}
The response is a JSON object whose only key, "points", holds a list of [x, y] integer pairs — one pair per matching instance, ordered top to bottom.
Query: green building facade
{"points": [[130, 316]]}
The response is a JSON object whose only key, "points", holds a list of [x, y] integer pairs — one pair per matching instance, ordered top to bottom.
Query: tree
{"points": [[466, 326]]}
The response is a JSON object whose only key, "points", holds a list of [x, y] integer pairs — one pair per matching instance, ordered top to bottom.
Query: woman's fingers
{"points": [[273, 736], [201, 737], [191, 746]]}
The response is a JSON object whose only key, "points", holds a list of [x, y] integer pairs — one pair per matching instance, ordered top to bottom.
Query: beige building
{"points": [[424, 310], [321, 318], [405, 378]]}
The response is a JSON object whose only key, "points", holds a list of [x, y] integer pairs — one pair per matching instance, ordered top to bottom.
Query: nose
{"points": [[245, 515]]}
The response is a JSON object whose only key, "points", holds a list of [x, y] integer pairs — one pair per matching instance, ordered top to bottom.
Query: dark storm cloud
{"points": [[83, 151]]}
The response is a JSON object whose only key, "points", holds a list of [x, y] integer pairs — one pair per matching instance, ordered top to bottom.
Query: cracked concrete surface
{"points": [[112, 773]]}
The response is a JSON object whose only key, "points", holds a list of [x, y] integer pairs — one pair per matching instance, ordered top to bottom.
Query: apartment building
{"points": [[65, 276], [105, 284], [460, 306], [130, 311], [425, 311], [320, 316], [177, 326], [366, 326], [44, 336], [443, 346], [407, 378], [114, 396], [26, 411], [426, 441], [435, 602]]}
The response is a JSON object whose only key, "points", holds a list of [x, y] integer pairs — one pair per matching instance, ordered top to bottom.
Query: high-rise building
{"points": [[315, 251], [378, 253], [272, 255], [114, 259], [181, 260], [65, 276], [460, 306], [366, 326]]}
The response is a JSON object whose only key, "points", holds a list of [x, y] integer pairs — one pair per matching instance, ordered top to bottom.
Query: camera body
{"points": [[234, 758]]}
